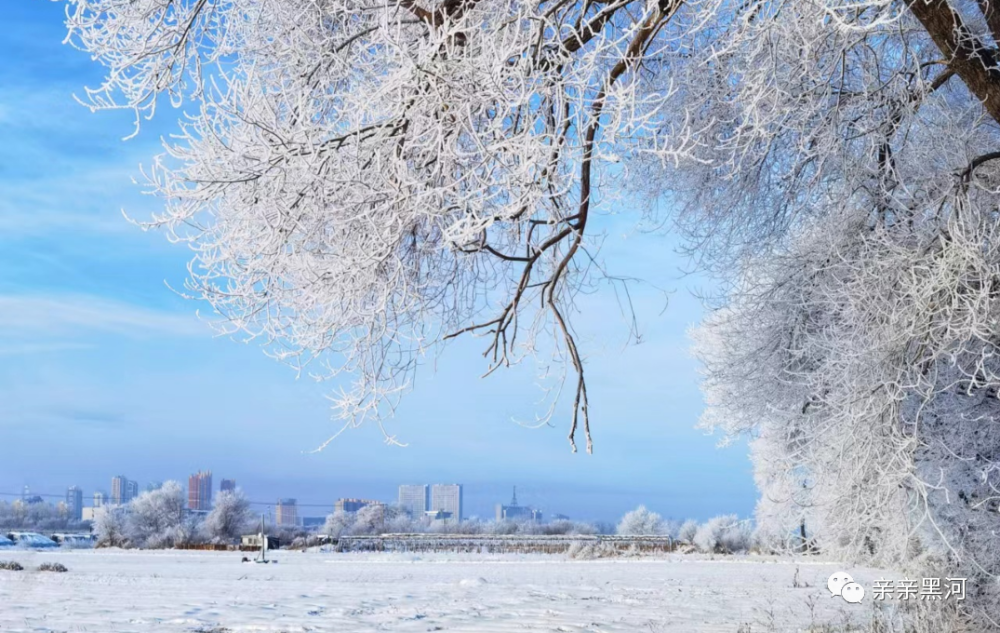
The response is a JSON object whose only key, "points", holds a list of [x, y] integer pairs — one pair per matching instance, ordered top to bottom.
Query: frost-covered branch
{"points": [[361, 180]]}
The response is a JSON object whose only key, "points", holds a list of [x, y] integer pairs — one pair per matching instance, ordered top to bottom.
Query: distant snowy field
{"points": [[118, 591]]}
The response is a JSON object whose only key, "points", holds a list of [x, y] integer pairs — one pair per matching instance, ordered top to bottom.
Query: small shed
{"points": [[252, 542]]}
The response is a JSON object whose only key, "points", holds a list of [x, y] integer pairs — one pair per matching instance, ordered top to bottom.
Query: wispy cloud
{"points": [[49, 320], [20, 349], [89, 416]]}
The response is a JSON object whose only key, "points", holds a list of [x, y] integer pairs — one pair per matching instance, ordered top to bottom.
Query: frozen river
{"points": [[117, 591]]}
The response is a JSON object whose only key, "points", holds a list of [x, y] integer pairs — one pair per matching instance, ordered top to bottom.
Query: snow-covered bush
{"points": [[230, 517], [639, 522], [687, 531], [723, 534], [737, 538], [581, 550], [11, 565], [53, 567]]}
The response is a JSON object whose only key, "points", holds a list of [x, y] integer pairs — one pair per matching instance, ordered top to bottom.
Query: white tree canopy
{"points": [[362, 180], [640, 522]]}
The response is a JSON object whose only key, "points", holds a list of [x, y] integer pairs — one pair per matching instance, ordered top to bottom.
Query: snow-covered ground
{"points": [[117, 591]]}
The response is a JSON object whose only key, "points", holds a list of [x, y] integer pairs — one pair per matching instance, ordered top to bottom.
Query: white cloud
{"points": [[48, 320], [23, 349]]}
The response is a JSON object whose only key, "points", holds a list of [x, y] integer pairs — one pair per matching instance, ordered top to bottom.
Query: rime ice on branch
{"points": [[361, 181]]}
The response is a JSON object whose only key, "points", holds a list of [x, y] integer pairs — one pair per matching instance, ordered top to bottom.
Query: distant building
{"points": [[227, 485], [123, 490], [200, 491], [447, 498], [100, 499], [414, 499], [74, 503], [353, 505], [287, 512], [516, 512], [560, 517], [313, 522], [253, 541]]}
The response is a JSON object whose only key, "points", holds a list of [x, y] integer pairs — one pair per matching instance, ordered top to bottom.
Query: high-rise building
{"points": [[227, 485], [123, 490], [200, 491], [447, 498], [100, 499], [413, 499], [74, 503], [287, 512]]}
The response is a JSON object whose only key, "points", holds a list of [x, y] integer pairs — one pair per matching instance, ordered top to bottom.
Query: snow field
{"points": [[112, 591]]}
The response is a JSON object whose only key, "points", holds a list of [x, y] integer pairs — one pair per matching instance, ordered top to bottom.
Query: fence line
{"points": [[500, 543]]}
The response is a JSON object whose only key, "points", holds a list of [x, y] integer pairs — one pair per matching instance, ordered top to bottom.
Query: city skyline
{"points": [[489, 496]]}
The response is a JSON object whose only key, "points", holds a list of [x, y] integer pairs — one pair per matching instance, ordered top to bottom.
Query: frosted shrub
{"points": [[640, 522], [686, 532], [723, 534], [737, 538], [580, 550], [10, 565], [53, 567]]}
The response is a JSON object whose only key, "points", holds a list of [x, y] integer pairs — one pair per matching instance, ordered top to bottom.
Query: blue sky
{"points": [[104, 370]]}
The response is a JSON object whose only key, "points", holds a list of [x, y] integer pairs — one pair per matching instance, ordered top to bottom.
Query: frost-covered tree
{"points": [[362, 181], [850, 184], [230, 517], [156, 518], [371, 519], [640, 522], [338, 524], [111, 527]]}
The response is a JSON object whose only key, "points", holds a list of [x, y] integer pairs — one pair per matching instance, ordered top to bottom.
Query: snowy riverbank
{"points": [[116, 591]]}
